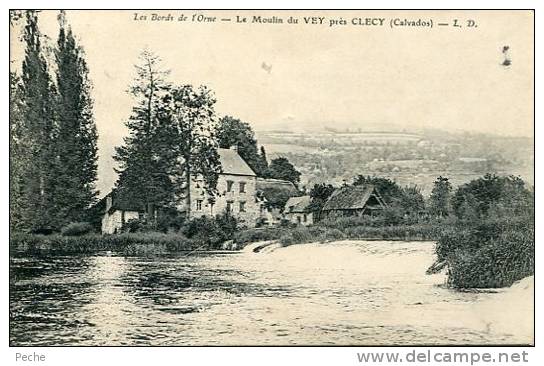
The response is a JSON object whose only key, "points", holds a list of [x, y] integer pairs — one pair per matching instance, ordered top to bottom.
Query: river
{"points": [[342, 293]]}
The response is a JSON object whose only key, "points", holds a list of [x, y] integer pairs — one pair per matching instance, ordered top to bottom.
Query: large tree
{"points": [[190, 111], [233, 132], [77, 136], [15, 158], [146, 159], [281, 168], [36, 176], [389, 190], [320, 193], [492, 195], [439, 200], [412, 201]]}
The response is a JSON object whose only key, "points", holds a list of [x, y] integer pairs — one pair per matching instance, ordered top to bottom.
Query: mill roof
{"points": [[232, 163], [267, 184], [117, 203]]}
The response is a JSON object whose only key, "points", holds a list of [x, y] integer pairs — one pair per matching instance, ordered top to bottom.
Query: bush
{"points": [[169, 220], [135, 225], [76, 229], [211, 231], [259, 234], [303, 234], [296, 236], [494, 253], [497, 263]]}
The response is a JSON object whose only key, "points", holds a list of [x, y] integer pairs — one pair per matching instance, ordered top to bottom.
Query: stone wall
{"points": [[243, 204], [300, 218], [111, 223]]}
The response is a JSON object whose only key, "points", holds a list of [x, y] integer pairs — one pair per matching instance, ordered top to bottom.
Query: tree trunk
{"points": [[188, 196]]}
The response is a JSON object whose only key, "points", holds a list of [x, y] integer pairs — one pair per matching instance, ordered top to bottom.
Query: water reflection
{"points": [[339, 293], [46, 298]]}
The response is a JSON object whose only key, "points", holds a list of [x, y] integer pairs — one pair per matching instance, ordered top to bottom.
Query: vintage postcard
{"points": [[271, 178]]}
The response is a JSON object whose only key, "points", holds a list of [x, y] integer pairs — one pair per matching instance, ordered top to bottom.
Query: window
{"points": [[229, 185], [242, 187], [199, 205], [229, 206], [242, 207], [305, 218], [298, 219]]}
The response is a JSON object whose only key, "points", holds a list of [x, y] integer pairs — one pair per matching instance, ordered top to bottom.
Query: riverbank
{"points": [[142, 243], [155, 243], [492, 254]]}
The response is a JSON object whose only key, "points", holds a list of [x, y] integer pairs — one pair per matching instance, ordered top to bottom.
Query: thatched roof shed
{"points": [[355, 199]]}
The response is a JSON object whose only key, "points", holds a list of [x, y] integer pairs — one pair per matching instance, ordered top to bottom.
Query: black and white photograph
{"points": [[271, 178]]}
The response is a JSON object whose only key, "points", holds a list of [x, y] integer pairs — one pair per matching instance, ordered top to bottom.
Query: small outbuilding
{"points": [[272, 194], [353, 201], [297, 210], [116, 213]]}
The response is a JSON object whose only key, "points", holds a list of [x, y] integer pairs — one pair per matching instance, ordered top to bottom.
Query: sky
{"points": [[316, 75]]}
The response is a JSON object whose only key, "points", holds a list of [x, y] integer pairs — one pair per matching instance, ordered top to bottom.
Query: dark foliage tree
{"points": [[15, 16], [190, 112], [233, 132], [35, 134], [76, 146], [15, 157], [147, 159], [264, 162], [281, 168], [391, 192], [320, 193], [500, 196], [277, 197], [439, 200], [412, 201]]}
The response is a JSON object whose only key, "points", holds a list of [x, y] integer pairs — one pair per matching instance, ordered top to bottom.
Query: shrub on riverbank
{"points": [[367, 227], [76, 229], [211, 231], [259, 234], [311, 234], [491, 243], [492, 254]]}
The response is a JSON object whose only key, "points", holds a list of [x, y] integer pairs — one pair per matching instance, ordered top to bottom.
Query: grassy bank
{"points": [[354, 229], [142, 243], [126, 244], [492, 253]]}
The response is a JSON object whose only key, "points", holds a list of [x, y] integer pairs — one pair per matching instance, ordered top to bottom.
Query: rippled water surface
{"points": [[347, 293]]}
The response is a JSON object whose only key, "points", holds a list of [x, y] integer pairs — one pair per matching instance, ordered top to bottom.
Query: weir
{"points": [[259, 247]]}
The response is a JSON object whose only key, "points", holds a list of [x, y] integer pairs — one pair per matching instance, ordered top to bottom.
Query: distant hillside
{"points": [[415, 158]]}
